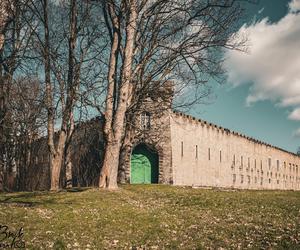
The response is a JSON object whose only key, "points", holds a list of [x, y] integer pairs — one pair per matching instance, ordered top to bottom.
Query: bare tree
{"points": [[6, 17], [14, 37], [36, 37], [153, 43], [132, 47], [69, 53], [25, 107]]}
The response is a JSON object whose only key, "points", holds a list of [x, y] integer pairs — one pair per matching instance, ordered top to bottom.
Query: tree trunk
{"points": [[4, 16], [113, 61], [5, 126], [124, 150], [57, 153], [56, 162], [68, 165], [109, 171], [69, 176], [105, 179], [1, 181]]}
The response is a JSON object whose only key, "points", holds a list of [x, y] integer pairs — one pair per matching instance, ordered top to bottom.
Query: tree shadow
{"points": [[76, 189], [31, 199]]}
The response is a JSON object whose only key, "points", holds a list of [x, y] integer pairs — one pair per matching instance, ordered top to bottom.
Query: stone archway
{"points": [[144, 165]]}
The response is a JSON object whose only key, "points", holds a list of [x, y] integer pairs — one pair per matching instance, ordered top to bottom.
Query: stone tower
{"points": [[148, 135]]}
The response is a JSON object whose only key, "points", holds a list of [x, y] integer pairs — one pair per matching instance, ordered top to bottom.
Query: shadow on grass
{"points": [[75, 189], [30, 199], [19, 203], [30, 204]]}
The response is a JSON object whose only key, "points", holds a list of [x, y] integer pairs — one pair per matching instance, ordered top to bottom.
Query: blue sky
{"points": [[262, 95]]}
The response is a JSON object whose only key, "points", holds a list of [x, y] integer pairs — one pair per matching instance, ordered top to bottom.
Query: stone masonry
{"points": [[157, 137], [193, 152]]}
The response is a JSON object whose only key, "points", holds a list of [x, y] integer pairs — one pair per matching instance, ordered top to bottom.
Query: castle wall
{"points": [[157, 137], [87, 149], [207, 155]]}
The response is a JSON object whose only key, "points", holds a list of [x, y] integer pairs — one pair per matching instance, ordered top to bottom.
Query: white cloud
{"points": [[294, 5], [272, 66], [295, 114], [297, 133]]}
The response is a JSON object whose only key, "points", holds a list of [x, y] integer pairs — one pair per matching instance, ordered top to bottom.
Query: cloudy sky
{"points": [[262, 95]]}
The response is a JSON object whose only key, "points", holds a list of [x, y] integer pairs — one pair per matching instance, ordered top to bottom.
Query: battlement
{"points": [[228, 131]]}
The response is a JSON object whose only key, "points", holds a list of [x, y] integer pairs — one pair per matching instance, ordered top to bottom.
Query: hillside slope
{"points": [[152, 217]]}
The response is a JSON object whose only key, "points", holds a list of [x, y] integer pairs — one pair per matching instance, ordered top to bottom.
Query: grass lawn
{"points": [[152, 217]]}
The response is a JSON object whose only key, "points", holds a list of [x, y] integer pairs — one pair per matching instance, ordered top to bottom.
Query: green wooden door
{"points": [[144, 165]]}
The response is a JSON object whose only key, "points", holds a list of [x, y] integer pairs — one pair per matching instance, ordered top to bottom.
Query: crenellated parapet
{"points": [[220, 129]]}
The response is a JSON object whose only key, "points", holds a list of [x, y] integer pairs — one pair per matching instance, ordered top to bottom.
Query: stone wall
{"points": [[157, 137], [87, 151], [191, 152], [204, 154]]}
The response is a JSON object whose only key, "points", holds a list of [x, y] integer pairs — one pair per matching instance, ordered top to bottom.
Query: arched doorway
{"points": [[143, 165]]}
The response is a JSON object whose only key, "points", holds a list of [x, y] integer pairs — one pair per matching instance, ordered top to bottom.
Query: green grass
{"points": [[154, 217]]}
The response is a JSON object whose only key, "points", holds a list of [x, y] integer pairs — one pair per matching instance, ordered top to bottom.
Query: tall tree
{"points": [[5, 16], [14, 37], [153, 43], [68, 52], [27, 113]]}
